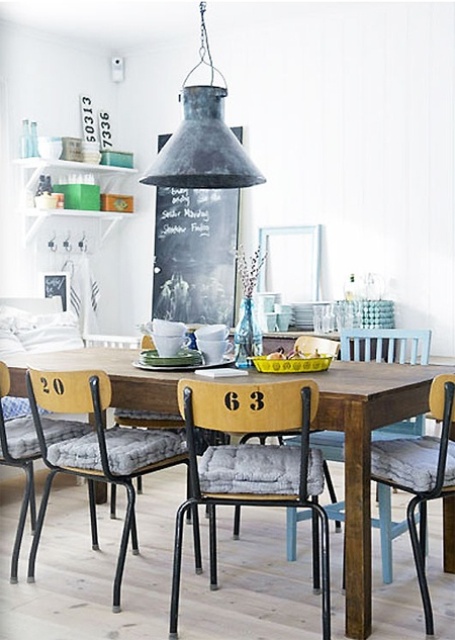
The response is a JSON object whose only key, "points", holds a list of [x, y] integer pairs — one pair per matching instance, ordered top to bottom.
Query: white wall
{"points": [[348, 111]]}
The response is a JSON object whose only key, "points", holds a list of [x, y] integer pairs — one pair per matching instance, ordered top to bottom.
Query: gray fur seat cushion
{"points": [[139, 414], [23, 441], [129, 449], [411, 462], [265, 469]]}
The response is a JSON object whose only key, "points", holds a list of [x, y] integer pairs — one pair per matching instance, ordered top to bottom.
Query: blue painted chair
{"points": [[370, 345]]}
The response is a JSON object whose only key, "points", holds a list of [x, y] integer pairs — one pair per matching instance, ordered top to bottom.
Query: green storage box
{"points": [[117, 159], [80, 196]]}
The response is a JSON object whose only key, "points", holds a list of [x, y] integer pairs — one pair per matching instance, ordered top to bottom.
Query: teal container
{"points": [[117, 159]]}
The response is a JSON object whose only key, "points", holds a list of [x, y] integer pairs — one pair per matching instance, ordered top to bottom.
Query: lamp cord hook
{"points": [[204, 51]]}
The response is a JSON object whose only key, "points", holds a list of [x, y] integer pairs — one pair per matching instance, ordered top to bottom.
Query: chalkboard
{"points": [[195, 243], [57, 284]]}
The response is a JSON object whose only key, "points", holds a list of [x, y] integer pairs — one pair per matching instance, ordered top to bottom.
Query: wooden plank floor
{"points": [[261, 596]]}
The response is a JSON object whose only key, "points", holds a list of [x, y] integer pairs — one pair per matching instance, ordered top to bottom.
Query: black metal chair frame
{"points": [[106, 476], [28, 497], [420, 500], [320, 543]]}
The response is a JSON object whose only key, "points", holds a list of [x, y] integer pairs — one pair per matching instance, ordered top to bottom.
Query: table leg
{"points": [[358, 525]]}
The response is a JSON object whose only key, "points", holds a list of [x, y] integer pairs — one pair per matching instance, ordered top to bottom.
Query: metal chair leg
{"points": [[331, 490], [32, 498], [113, 500], [26, 501], [92, 506], [129, 515], [39, 526], [236, 529], [134, 536], [196, 540], [212, 547], [316, 553], [419, 559], [325, 566], [177, 569]]}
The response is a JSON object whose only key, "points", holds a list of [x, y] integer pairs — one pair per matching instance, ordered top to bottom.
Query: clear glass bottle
{"points": [[34, 140], [25, 142], [350, 292], [247, 336]]}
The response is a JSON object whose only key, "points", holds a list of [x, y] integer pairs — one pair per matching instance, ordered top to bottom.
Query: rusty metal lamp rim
{"points": [[203, 153]]}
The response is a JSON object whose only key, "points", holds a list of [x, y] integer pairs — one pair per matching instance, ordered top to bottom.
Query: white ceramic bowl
{"points": [[50, 148], [167, 328], [211, 332], [169, 346], [214, 350]]}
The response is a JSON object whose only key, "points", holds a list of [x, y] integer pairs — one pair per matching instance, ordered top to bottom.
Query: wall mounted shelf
{"points": [[107, 176]]}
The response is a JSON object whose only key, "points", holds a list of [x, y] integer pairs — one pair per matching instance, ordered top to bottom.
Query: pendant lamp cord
{"points": [[205, 48], [204, 51]]}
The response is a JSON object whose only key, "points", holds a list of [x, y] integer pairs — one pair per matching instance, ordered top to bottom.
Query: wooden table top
{"points": [[372, 383]]}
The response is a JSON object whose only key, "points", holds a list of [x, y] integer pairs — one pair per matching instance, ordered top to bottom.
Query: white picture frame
{"points": [[292, 266]]}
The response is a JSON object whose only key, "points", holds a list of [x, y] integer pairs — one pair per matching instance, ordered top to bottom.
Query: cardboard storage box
{"points": [[72, 149], [117, 159], [80, 196], [115, 202]]}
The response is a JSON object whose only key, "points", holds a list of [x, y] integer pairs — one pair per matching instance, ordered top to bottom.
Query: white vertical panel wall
{"points": [[348, 109]]}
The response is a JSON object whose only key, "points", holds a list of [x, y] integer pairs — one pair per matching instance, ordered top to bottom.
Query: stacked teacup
{"points": [[169, 337], [212, 342]]}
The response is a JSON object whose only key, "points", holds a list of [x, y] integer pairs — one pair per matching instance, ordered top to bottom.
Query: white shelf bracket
{"points": [[113, 223]]}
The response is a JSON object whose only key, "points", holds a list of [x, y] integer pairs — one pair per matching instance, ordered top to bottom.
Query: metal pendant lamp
{"points": [[203, 153]]}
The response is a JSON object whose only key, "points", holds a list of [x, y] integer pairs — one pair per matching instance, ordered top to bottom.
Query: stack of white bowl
{"points": [[50, 148], [91, 152], [169, 337], [212, 341]]}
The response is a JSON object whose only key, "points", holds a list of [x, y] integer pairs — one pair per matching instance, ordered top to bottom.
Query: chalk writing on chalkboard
{"points": [[195, 243], [57, 284]]}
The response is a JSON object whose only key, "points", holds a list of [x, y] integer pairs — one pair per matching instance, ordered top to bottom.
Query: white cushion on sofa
{"points": [[41, 332], [50, 338], [10, 343]]}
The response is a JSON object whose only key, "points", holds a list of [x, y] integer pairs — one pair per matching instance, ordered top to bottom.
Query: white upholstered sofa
{"points": [[38, 325]]}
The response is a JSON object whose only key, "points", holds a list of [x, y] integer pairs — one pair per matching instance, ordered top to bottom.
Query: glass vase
{"points": [[247, 336]]}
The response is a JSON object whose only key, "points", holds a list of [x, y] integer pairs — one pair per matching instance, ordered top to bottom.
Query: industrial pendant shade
{"points": [[203, 153]]}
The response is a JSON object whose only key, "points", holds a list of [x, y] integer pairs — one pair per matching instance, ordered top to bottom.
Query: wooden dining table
{"points": [[355, 397]]}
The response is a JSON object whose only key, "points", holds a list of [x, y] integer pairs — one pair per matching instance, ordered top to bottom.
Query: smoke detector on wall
{"points": [[117, 69]]}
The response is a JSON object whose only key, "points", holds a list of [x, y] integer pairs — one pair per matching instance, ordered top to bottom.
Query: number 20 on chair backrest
{"points": [[68, 391], [242, 408]]}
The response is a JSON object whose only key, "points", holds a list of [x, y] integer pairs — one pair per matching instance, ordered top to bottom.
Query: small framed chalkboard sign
{"points": [[57, 284]]}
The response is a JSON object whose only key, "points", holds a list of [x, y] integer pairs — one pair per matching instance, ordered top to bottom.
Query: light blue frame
{"points": [[304, 263]]}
